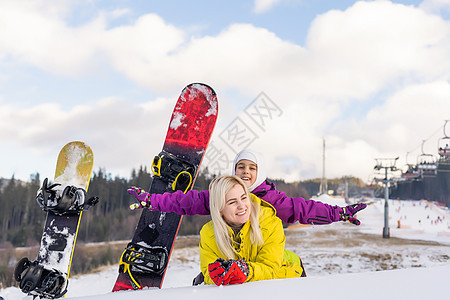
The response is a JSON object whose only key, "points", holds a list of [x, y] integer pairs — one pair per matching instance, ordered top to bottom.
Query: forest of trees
{"points": [[22, 220]]}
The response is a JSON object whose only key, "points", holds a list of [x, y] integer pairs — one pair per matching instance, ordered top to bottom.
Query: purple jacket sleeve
{"points": [[191, 203], [290, 210]]}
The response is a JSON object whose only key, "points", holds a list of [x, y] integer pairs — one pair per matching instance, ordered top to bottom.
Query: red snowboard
{"points": [[144, 261]]}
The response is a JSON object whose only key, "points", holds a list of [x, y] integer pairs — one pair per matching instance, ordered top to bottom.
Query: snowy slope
{"points": [[418, 220], [341, 260], [399, 284]]}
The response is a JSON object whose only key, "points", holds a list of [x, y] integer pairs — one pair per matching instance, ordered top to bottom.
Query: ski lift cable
{"points": [[445, 134], [425, 140]]}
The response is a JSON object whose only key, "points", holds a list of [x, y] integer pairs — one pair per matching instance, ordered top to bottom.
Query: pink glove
{"points": [[141, 196], [348, 213]]}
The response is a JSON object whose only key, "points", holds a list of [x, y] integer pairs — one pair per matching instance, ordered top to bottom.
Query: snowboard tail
{"points": [[175, 168]]}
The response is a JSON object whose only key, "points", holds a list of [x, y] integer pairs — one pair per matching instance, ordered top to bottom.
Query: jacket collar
{"points": [[262, 189]]}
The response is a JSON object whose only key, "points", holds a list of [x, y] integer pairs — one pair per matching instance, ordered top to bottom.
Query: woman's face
{"points": [[247, 171], [237, 206]]}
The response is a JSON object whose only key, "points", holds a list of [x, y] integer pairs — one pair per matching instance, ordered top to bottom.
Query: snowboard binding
{"points": [[177, 173], [63, 200], [143, 260], [38, 281]]}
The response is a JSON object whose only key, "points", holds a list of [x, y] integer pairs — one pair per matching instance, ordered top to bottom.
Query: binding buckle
{"points": [[156, 166], [177, 173]]}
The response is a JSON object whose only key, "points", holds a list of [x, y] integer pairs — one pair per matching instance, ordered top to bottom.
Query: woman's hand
{"points": [[141, 195], [348, 213], [216, 271], [224, 272], [237, 272]]}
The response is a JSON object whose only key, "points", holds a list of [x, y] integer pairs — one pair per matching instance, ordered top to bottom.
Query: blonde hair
{"points": [[217, 191]]}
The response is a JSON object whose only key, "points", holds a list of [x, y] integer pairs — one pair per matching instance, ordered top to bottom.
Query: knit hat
{"points": [[258, 159]]}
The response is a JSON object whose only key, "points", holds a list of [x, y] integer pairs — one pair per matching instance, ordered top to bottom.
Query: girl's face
{"points": [[247, 171], [237, 206]]}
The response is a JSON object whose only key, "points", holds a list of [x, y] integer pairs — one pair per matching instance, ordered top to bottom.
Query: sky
{"points": [[371, 78]]}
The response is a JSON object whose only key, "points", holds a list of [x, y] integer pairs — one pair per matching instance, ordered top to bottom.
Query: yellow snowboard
{"points": [[72, 176]]}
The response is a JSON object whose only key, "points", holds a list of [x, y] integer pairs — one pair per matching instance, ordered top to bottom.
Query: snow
{"points": [[194, 89], [210, 97], [177, 120], [74, 154], [331, 200], [418, 220], [54, 258], [342, 261], [399, 284]]}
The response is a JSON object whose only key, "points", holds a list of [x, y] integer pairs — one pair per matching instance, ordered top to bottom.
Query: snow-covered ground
{"points": [[342, 261]]}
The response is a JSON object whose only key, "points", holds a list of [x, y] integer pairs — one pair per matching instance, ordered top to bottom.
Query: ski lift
{"points": [[444, 146], [444, 152], [426, 164], [383, 167], [411, 172]]}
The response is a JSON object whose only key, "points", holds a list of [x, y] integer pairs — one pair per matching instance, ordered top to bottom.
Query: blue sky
{"points": [[371, 77]]}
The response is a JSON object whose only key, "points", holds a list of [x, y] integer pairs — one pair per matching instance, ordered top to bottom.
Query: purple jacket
{"points": [[289, 209]]}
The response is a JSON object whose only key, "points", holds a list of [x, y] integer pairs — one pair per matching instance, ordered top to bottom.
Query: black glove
{"points": [[348, 213]]}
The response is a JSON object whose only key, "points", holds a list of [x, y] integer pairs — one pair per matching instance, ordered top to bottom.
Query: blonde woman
{"points": [[245, 239]]}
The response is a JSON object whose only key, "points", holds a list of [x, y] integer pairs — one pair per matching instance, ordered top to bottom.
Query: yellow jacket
{"points": [[266, 261]]}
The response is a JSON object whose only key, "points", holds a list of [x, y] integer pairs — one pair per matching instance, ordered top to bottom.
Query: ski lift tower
{"points": [[388, 164], [323, 189]]}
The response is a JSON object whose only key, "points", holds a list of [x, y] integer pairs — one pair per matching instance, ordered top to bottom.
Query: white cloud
{"points": [[262, 6], [35, 33], [375, 45], [144, 51], [353, 53], [399, 125], [122, 134]]}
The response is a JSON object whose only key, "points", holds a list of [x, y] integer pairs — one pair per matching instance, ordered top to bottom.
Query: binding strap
{"points": [[125, 268]]}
